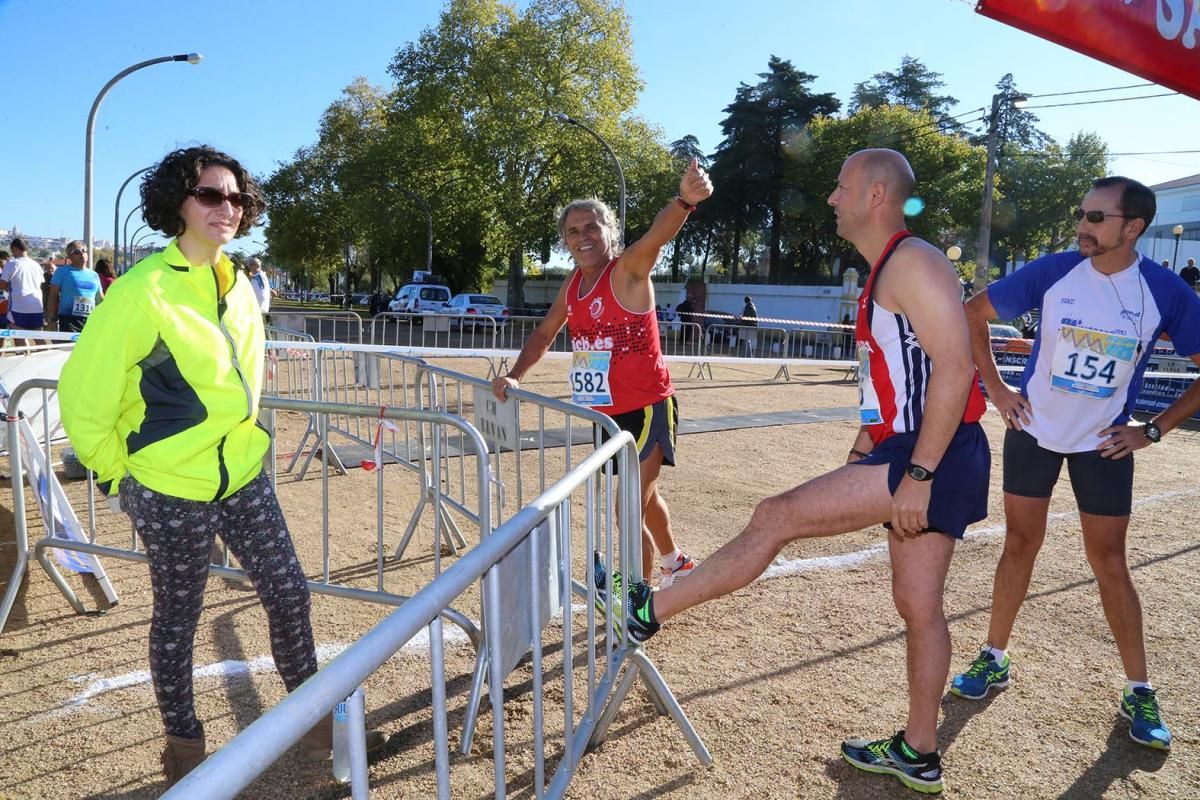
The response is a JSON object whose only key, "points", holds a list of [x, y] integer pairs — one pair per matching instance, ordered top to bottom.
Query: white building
{"points": [[1178, 204]]}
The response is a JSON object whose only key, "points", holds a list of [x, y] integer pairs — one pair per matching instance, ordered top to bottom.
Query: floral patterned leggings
{"points": [[178, 535]]}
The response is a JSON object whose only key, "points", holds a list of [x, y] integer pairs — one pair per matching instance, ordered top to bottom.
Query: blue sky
{"points": [[272, 67]]}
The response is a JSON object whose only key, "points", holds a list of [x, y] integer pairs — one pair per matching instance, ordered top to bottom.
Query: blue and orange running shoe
{"points": [[638, 607], [981, 677], [1146, 726], [921, 772]]}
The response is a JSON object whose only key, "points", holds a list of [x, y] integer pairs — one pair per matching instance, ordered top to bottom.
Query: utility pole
{"points": [[983, 250]]}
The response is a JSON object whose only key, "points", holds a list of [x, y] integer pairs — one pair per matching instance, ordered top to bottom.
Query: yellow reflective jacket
{"points": [[165, 378]]}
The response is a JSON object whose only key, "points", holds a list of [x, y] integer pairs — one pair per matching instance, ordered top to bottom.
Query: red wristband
{"points": [[688, 207]]}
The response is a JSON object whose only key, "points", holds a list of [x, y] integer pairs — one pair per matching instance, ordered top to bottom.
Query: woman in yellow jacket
{"points": [[160, 399]]}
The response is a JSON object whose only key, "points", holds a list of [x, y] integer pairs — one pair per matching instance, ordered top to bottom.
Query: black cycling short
{"points": [[1103, 486]]}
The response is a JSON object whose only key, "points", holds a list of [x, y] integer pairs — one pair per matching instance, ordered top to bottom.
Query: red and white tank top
{"points": [[617, 363], [893, 370]]}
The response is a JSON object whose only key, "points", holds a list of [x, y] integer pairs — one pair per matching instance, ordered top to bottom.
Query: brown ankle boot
{"points": [[317, 744], [180, 756]]}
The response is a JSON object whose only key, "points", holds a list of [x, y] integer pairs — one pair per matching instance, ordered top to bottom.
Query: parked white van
{"points": [[420, 298]]}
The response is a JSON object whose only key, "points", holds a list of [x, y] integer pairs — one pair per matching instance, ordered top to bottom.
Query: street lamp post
{"points": [[191, 58], [566, 120], [117, 217], [1177, 231], [125, 234], [144, 237], [129, 242], [983, 256]]}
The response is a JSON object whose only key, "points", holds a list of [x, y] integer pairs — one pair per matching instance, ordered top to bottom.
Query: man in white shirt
{"points": [[22, 279], [261, 284], [1102, 308]]}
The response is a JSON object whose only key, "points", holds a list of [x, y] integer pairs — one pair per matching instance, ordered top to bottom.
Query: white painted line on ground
{"points": [[453, 636], [233, 670]]}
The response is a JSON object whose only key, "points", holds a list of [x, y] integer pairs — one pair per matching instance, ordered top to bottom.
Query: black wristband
{"points": [[858, 453]]}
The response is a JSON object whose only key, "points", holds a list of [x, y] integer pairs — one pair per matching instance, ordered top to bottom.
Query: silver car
{"points": [[470, 307]]}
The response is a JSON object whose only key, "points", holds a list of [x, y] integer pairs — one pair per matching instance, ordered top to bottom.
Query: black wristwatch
{"points": [[1152, 432], [918, 473]]}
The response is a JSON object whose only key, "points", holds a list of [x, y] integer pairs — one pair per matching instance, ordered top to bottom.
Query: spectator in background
{"points": [[4, 257], [1166, 263], [105, 271], [1190, 275], [47, 277], [21, 278], [261, 285], [74, 291], [379, 302], [684, 311], [749, 313], [749, 320]]}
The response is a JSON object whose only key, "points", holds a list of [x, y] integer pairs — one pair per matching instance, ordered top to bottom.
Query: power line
{"points": [[1093, 91], [1110, 100], [937, 123], [909, 139], [1043, 153]]}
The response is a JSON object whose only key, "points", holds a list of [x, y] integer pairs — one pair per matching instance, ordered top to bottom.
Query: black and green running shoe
{"points": [[639, 609], [921, 772]]}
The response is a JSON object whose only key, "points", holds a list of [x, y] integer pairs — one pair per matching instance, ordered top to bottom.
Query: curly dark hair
{"points": [[166, 187]]}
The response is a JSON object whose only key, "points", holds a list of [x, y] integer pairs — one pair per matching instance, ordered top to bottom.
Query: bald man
{"points": [[919, 464]]}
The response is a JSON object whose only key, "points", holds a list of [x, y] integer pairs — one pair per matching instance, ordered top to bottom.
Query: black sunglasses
{"points": [[209, 197], [1096, 217], [77, 252]]}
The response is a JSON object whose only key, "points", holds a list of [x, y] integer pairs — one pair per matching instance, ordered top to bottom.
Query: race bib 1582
{"points": [[589, 378]]}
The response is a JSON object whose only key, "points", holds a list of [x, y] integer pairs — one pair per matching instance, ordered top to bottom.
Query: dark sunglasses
{"points": [[209, 197], [1096, 217], [77, 252]]}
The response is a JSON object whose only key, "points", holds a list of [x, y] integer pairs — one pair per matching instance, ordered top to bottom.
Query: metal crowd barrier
{"points": [[323, 326], [681, 338], [831, 342], [110, 548], [528, 577], [523, 588]]}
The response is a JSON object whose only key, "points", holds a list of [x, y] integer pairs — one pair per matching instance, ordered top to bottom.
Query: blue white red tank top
{"points": [[624, 368], [893, 370]]}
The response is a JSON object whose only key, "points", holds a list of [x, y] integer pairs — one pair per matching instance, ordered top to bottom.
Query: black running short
{"points": [[652, 425], [1103, 486]]}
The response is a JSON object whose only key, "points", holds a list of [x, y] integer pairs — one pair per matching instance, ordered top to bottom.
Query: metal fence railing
{"points": [[525, 579]]}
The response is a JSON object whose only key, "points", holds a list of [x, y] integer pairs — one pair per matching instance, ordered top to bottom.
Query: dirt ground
{"points": [[773, 677]]}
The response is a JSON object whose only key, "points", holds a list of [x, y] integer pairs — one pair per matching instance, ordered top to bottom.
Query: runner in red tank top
{"points": [[617, 365]]}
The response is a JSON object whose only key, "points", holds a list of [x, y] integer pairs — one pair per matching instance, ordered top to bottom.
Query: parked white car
{"points": [[476, 306]]}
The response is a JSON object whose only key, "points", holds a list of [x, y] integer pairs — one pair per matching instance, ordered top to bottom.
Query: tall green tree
{"points": [[913, 86], [475, 92], [751, 163], [948, 168], [1039, 189], [321, 219], [695, 235]]}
